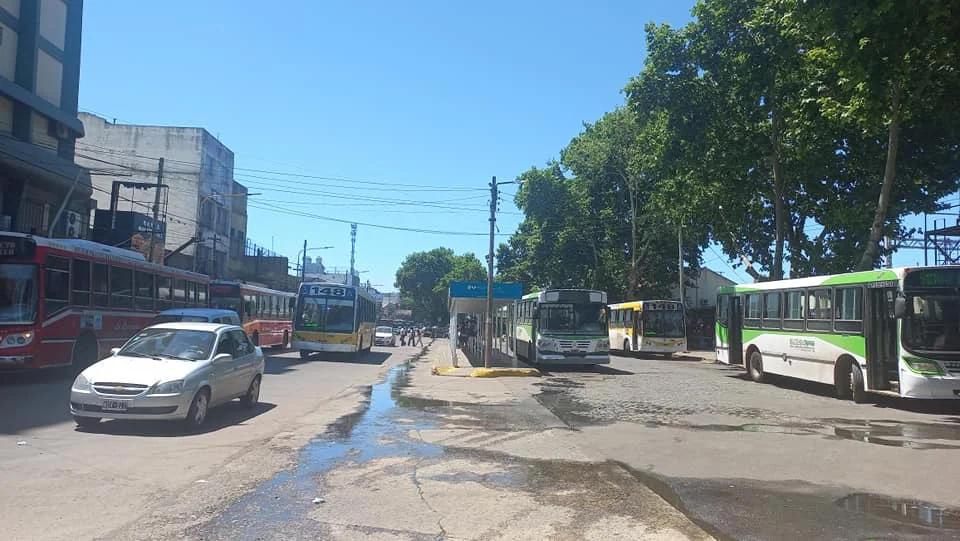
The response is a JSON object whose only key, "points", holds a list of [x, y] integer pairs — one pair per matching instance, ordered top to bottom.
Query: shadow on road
{"points": [[369, 357], [552, 370], [33, 400], [932, 407], [229, 414]]}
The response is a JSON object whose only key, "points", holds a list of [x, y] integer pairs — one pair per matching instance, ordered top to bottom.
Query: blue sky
{"points": [[416, 102]]}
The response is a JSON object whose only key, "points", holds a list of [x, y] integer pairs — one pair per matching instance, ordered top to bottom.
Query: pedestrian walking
{"points": [[403, 337], [420, 337]]}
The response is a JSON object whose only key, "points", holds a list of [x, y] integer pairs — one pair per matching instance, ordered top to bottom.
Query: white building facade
{"points": [[197, 179]]}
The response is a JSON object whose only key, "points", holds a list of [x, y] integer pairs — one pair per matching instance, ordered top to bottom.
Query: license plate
{"points": [[115, 405]]}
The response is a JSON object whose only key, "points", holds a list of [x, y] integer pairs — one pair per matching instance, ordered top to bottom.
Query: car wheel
{"points": [[250, 399], [198, 410], [86, 422]]}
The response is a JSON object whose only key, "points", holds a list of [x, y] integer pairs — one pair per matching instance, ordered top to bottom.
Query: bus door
{"points": [[736, 330], [637, 332], [881, 338]]}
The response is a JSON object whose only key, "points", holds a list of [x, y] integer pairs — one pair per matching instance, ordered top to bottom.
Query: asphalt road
{"points": [[783, 460], [61, 483]]}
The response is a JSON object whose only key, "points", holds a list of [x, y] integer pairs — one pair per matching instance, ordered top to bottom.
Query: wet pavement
{"points": [[638, 450], [370, 475]]}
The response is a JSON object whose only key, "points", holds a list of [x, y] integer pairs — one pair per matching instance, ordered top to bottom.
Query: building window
{"points": [[49, 78]]}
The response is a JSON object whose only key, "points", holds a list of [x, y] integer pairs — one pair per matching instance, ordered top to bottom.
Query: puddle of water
{"points": [[367, 434], [907, 511]]}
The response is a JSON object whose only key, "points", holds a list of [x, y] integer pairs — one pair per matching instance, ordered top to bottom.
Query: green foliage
{"points": [[792, 132], [424, 280]]}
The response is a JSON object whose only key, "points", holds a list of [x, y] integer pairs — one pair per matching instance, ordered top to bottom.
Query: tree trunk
{"points": [[889, 171], [779, 217], [633, 245], [796, 249]]}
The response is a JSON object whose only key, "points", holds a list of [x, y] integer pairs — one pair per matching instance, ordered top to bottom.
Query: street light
{"points": [[197, 234], [303, 266]]}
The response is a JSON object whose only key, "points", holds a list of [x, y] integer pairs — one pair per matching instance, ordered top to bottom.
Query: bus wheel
{"points": [[256, 338], [286, 340], [626, 345], [85, 353], [755, 366], [857, 391]]}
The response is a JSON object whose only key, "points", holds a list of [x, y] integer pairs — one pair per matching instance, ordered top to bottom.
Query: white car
{"points": [[384, 336], [170, 371]]}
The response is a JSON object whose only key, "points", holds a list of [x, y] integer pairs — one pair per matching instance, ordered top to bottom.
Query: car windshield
{"points": [[18, 293], [325, 315], [572, 318], [932, 322], [663, 323], [385, 330], [191, 345]]}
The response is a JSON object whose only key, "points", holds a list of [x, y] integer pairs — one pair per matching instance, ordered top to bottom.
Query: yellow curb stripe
{"points": [[442, 369], [500, 372]]}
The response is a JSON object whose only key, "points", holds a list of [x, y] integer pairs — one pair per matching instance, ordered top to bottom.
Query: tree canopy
{"points": [[793, 133], [423, 280]]}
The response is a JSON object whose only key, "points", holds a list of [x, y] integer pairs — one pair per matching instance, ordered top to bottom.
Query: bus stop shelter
{"points": [[470, 298]]}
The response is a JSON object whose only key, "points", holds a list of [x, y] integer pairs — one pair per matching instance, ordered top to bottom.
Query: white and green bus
{"points": [[562, 326], [891, 331]]}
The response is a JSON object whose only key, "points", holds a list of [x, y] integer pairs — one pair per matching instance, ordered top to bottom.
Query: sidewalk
{"points": [[471, 364]]}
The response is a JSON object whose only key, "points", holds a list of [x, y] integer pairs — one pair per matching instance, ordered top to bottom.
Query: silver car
{"points": [[384, 336], [170, 371]]}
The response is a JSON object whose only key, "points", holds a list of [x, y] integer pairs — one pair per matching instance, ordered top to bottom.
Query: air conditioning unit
{"points": [[74, 225]]}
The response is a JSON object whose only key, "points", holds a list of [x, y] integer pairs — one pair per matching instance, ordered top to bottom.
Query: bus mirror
{"points": [[899, 307]]}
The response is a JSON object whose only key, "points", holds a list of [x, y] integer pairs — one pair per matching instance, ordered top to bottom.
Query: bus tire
{"points": [[256, 338], [286, 340], [626, 345], [86, 351], [755, 366], [842, 378], [857, 389]]}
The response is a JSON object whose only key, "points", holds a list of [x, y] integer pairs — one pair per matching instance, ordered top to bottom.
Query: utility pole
{"points": [[156, 210], [353, 248], [680, 261], [303, 266], [488, 323]]}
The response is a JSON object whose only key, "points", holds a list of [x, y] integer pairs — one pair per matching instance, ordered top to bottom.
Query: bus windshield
{"points": [[18, 293], [227, 303], [325, 314], [572, 318], [932, 322], [663, 323]]}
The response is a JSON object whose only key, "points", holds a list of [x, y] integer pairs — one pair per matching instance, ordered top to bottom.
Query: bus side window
{"points": [[81, 282], [101, 286], [57, 287], [121, 287], [143, 288], [164, 292], [202, 294], [849, 309], [752, 310], [771, 310], [793, 310], [819, 311]]}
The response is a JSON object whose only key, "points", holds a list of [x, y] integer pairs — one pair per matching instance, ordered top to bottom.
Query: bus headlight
{"points": [[16, 339], [547, 344], [925, 367]]}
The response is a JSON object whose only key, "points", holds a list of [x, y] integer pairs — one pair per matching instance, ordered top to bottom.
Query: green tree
{"points": [[423, 280]]}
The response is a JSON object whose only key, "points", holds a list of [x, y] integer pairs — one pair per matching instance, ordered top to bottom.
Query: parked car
{"points": [[209, 315], [384, 336], [170, 371]]}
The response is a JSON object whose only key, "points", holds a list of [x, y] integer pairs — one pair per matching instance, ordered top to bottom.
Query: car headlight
{"points": [[16, 339], [81, 384], [169, 387]]}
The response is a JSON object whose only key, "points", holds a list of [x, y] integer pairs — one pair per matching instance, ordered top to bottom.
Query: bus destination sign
{"points": [[17, 248], [946, 278], [327, 291], [661, 306]]}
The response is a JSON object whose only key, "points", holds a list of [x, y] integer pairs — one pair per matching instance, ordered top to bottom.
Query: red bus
{"points": [[69, 301], [267, 314]]}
